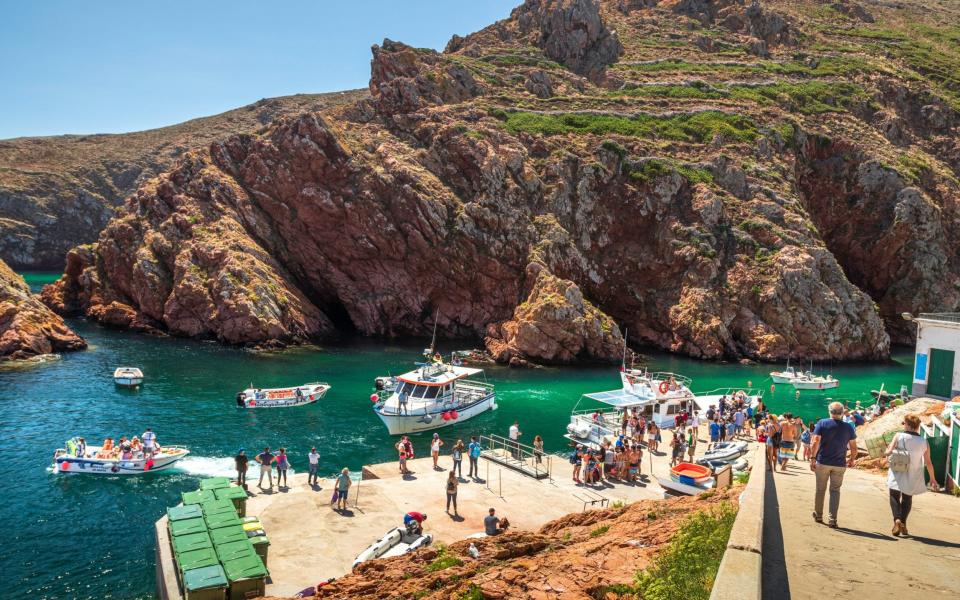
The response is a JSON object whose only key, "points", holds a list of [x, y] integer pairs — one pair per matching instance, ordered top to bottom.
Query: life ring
{"points": [[664, 387], [65, 466]]}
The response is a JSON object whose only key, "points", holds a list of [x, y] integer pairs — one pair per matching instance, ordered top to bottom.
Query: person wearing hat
{"points": [[314, 458], [241, 461], [343, 487]]}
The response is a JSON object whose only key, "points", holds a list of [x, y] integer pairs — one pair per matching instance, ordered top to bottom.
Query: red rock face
{"points": [[430, 198], [27, 327]]}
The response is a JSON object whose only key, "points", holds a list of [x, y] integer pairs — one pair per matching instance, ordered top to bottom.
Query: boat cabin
{"points": [[435, 387]]}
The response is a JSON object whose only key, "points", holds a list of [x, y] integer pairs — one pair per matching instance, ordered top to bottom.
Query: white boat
{"points": [[787, 375], [128, 376], [809, 381], [385, 383], [434, 395], [281, 397], [659, 397], [727, 451], [71, 461], [738, 465], [675, 487], [396, 542]]}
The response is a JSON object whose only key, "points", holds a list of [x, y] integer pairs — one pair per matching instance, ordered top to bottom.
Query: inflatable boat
{"points": [[726, 451], [738, 465], [396, 542]]}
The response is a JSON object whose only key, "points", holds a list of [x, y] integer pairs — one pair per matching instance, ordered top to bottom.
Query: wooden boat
{"points": [[128, 376], [281, 397], [690, 473], [396, 542]]}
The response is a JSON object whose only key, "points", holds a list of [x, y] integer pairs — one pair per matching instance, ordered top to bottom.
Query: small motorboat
{"points": [[788, 375], [128, 376], [809, 381], [281, 397], [726, 451], [92, 460], [738, 465], [690, 473], [678, 487], [396, 542]]}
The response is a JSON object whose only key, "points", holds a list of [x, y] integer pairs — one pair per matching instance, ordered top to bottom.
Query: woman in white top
{"points": [[435, 450], [906, 484]]}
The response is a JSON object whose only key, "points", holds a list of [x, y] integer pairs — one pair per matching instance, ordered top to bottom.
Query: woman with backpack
{"points": [[908, 454], [452, 483]]}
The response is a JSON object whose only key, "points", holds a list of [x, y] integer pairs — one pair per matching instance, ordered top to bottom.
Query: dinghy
{"points": [[128, 376], [726, 451], [738, 465], [690, 474], [677, 487], [396, 542]]}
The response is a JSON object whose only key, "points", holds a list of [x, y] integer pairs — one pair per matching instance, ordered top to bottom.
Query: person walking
{"points": [[771, 433], [514, 435], [832, 438], [788, 441], [691, 443], [678, 445], [538, 449], [435, 450], [473, 452], [908, 454], [457, 456], [265, 459], [314, 459], [241, 460], [575, 460], [283, 463], [452, 483], [343, 488]]}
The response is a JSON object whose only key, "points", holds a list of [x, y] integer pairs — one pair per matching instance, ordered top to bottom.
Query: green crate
{"points": [[214, 483], [235, 494], [198, 497], [215, 506], [179, 513], [224, 519], [187, 526], [225, 535], [193, 541], [261, 545], [231, 550], [195, 559], [247, 576], [205, 583]]}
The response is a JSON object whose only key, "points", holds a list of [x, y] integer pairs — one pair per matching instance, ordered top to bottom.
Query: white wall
{"points": [[941, 335]]}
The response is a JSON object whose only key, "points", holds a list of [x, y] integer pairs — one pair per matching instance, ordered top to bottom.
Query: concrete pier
{"points": [[310, 542]]}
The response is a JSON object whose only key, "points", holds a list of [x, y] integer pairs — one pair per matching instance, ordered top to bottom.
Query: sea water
{"points": [[92, 537]]}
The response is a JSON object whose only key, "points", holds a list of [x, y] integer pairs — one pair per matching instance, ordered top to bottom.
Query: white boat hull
{"points": [[781, 378], [128, 381], [817, 385], [309, 395], [413, 423], [74, 465], [683, 488], [396, 542]]}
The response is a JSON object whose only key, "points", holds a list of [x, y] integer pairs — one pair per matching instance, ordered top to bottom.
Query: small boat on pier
{"points": [[128, 376], [307, 393], [76, 458]]}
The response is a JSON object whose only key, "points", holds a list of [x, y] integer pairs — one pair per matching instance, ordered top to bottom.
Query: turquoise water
{"points": [[82, 537]]}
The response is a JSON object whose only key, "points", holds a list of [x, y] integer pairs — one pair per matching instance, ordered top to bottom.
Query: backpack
{"points": [[900, 457], [573, 458]]}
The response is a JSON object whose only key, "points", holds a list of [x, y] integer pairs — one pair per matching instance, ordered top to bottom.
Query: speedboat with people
{"points": [[127, 376], [433, 395], [281, 397], [657, 397], [78, 458]]}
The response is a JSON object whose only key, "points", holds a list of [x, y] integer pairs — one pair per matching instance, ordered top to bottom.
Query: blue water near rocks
{"points": [[92, 537]]}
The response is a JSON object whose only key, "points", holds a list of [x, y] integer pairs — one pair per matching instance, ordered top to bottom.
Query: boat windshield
{"points": [[419, 391]]}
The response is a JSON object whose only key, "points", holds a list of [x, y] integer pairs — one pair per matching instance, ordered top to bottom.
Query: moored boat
{"points": [[787, 375], [128, 376], [809, 381], [434, 395], [282, 397], [76, 458], [396, 542]]}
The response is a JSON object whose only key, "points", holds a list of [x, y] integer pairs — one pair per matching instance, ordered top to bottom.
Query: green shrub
{"points": [[695, 127], [600, 531], [444, 560], [686, 568], [472, 593]]}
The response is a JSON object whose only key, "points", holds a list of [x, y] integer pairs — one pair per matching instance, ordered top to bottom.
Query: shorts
{"points": [[715, 437], [770, 441], [786, 444], [264, 468], [342, 495]]}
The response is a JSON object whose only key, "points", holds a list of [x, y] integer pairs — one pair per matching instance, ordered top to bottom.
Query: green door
{"points": [[940, 379], [938, 456]]}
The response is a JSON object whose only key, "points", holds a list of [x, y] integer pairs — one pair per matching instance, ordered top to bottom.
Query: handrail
{"points": [[729, 391], [525, 455]]}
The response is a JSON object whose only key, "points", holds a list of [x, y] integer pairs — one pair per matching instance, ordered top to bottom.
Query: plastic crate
{"points": [[214, 483], [235, 494], [197, 497], [179, 513], [187, 526], [193, 541], [247, 576], [205, 583]]}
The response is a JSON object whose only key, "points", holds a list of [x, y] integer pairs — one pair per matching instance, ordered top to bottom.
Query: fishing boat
{"points": [[128, 376], [809, 381], [433, 395], [281, 397], [90, 460], [396, 542]]}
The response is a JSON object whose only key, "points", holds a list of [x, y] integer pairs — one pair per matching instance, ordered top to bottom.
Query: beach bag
{"points": [[900, 457], [336, 496]]}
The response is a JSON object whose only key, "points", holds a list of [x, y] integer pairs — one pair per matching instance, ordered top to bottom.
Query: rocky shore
{"points": [[704, 175]]}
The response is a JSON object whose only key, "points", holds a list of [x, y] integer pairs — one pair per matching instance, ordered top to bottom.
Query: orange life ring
{"points": [[664, 387]]}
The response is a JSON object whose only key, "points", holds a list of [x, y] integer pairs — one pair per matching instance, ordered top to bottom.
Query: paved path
{"points": [[860, 559]]}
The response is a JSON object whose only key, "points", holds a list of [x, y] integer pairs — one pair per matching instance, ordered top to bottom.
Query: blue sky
{"points": [[105, 66]]}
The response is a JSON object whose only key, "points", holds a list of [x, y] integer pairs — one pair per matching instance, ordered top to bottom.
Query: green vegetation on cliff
{"points": [[684, 127]]}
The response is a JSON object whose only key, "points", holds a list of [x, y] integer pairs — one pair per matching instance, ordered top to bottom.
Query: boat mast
{"points": [[623, 361]]}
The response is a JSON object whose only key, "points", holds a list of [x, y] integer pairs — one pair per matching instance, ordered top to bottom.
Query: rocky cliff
{"points": [[724, 179], [57, 192], [27, 327]]}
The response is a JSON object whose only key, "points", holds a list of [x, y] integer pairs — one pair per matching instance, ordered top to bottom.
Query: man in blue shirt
{"points": [[832, 438], [473, 453]]}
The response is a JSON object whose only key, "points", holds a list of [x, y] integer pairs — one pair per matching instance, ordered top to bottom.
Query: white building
{"points": [[936, 368]]}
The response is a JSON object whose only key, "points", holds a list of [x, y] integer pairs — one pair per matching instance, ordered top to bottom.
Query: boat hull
{"points": [[781, 378], [128, 381], [816, 385], [284, 402], [413, 423], [73, 465], [677, 487]]}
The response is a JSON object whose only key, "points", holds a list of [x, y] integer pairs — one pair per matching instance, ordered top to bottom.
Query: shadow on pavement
{"points": [[774, 581]]}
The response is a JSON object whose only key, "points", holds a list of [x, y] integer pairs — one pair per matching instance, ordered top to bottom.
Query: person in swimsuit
{"points": [[435, 450], [282, 464]]}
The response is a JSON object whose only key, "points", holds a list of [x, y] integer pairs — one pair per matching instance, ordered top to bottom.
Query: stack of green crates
{"points": [[215, 551]]}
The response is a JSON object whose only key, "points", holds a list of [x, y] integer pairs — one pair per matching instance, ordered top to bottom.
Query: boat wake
{"points": [[206, 466]]}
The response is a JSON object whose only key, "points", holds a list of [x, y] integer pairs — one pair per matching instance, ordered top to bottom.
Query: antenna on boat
{"points": [[433, 340], [623, 361]]}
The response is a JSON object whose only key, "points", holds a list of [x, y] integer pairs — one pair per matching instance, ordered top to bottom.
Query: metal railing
{"points": [[948, 317], [520, 457]]}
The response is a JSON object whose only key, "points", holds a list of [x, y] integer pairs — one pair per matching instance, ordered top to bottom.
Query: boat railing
{"points": [[667, 376], [731, 391], [468, 393], [599, 428]]}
